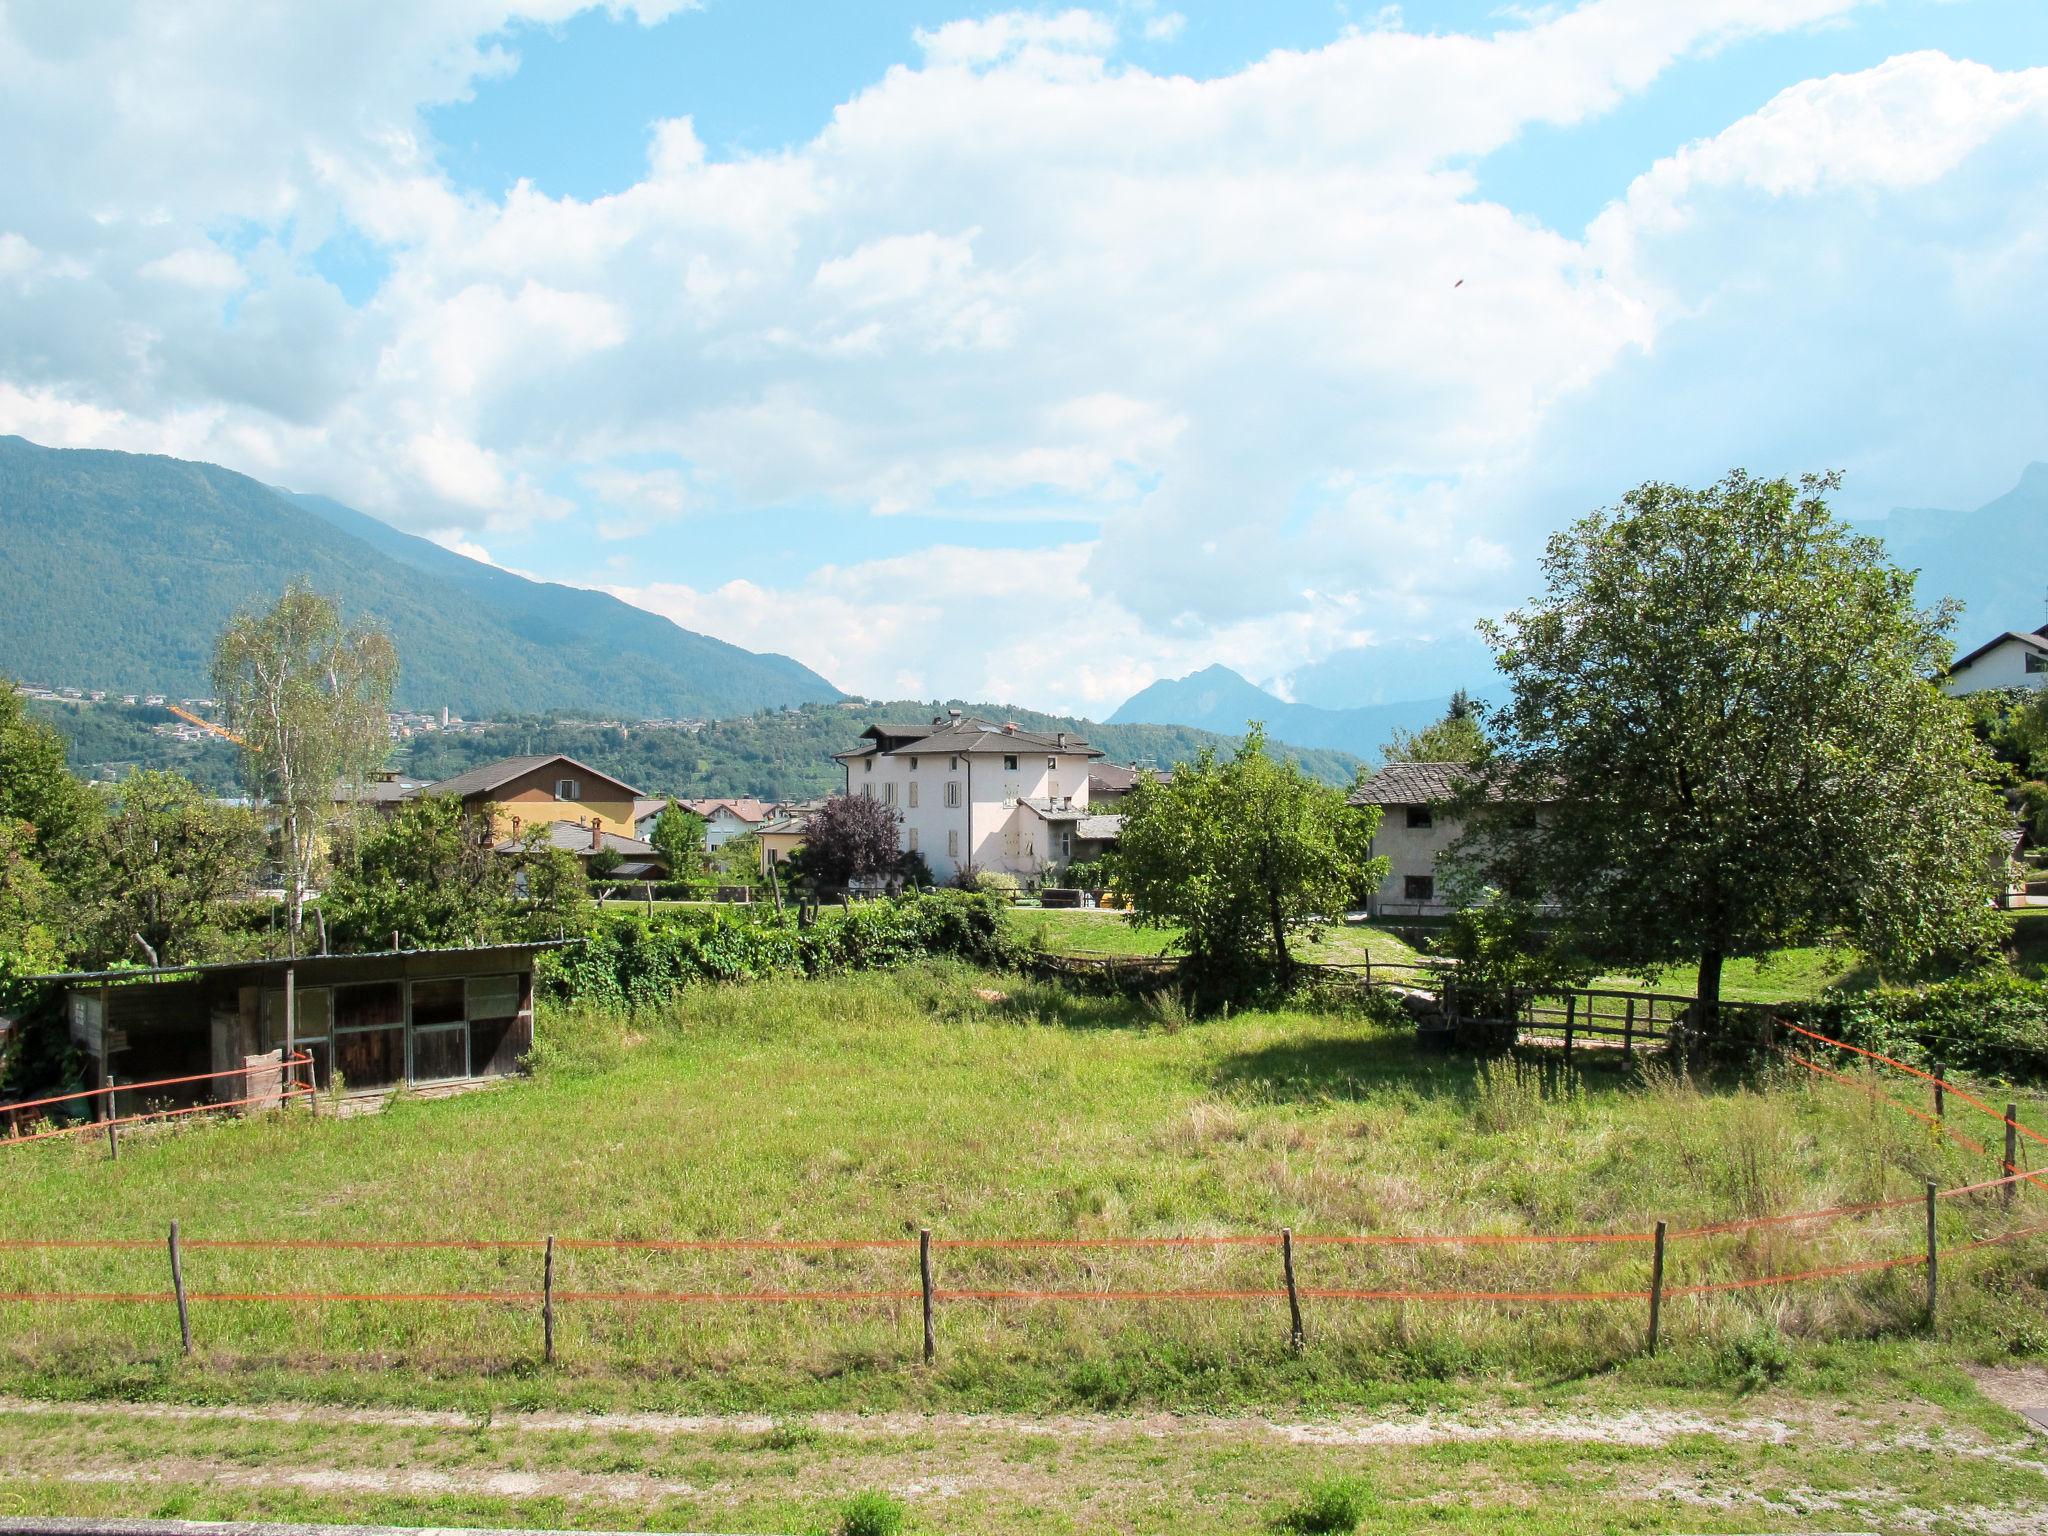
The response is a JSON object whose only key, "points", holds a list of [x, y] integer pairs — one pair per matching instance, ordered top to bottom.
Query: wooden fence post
{"points": [[1571, 1016], [1628, 1033], [1940, 1092], [113, 1140], [2012, 1149], [1933, 1259], [924, 1269], [1656, 1287], [178, 1290], [547, 1300], [1294, 1336]]}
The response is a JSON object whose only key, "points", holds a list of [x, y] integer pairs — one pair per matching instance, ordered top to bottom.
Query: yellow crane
{"points": [[208, 725]]}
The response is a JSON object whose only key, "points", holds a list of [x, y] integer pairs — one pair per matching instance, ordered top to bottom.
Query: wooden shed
{"points": [[378, 1020]]}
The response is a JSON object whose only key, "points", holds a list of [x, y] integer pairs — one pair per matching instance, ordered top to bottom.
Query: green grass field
{"points": [[982, 1106]]}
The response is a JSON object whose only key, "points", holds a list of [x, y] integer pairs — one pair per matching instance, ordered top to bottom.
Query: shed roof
{"points": [[481, 781], [1099, 829], [306, 965]]}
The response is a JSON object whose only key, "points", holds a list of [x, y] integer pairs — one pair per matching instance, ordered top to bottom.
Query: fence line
{"points": [[289, 1088]]}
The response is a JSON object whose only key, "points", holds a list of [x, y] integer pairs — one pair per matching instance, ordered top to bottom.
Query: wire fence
{"points": [[43, 1119], [1289, 1280]]}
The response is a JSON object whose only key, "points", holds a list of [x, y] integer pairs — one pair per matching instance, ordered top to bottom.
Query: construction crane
{"points": [[208, 725]]}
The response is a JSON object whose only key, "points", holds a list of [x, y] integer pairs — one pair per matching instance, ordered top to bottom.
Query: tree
{"points": [[309, 701], [1459, 737], [1724, 740], [38, 790], [679, 834], [852, 837], [1237, 855], [170, 865], [428, 872], [555, 888], [27, 900]]}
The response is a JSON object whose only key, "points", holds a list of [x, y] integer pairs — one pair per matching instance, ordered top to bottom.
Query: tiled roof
{"points": [[967, 734], [1116, 778], [481, 781], [1413, 784], [745, 808], [1101, 829], [575, 837]]}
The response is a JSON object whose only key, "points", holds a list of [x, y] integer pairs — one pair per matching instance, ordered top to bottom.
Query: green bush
{"points": [[996, 882], [633, 960], [1989, 1025], [1336, 1504], [871, 1513]]}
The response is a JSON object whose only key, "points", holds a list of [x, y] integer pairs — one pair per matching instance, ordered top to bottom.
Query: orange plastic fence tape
{"points": [[161, 1082], [1968, 1098], [1918, 1114], [95, 1127], [721, 1244]]}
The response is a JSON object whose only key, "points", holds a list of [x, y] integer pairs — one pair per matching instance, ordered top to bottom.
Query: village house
{"points": [[2015, 659], [967, 791], [585, 811], [724, 818], [1415, 830], [784, 834]]}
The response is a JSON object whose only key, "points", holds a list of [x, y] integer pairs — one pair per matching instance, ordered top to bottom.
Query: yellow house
{"points": [[533, 791], [784, 835]]}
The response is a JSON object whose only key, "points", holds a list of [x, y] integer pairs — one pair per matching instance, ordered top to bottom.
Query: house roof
{"points": [[2036, 640], [965, 733], [1116, 778], [481, 781], [1413, 784], [379, 791], [649, 805], [744, 807], [1052, 810], [1100, 829], [575, 837]]}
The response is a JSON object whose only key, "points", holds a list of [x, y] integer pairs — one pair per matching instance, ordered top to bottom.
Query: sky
{"points": [[1033, 355]]}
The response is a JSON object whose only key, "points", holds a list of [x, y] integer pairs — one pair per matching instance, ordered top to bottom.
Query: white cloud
{"points": [[1222, 319]]}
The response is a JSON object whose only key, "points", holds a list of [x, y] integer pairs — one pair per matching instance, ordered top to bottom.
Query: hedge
{"points": [[635, 961], [1994, 1025]]}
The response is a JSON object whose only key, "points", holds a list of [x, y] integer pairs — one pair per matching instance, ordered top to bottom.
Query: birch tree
{"points": [[308, 698]]}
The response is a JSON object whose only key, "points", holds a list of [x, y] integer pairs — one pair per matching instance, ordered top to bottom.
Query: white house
{"points": [[2015, 659], [971, 792], [724, 819], [1414, 832]]}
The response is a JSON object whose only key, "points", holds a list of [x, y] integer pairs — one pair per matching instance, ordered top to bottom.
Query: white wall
{"points": [[2003, 666], [994, 832], [1412, 851]]}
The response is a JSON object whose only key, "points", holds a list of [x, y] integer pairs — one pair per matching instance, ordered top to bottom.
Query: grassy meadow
{"points": [[868, 1106]]}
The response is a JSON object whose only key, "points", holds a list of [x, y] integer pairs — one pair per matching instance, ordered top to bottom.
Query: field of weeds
{"points": [[864, 1108]]}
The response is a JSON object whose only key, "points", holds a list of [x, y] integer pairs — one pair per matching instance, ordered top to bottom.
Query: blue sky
{"points": [[1035, 353]]}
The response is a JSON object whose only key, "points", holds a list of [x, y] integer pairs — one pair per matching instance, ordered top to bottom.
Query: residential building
{"points": [[2015, 659], [1109, 783], [548, 788], [968, 791], [1415, 830], [782, 835], [638, 859]]}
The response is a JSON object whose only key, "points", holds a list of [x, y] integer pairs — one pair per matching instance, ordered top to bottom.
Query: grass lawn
{"points": [[984, 1106]]}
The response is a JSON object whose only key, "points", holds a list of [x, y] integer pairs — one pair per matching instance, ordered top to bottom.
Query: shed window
{"points": [[568, 789], [1420, 816], [1419, 887], [493, 997], [437, 1002]]}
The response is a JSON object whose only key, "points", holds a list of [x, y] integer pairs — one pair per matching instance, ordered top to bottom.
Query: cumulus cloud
{"points": [[1259, 335]]}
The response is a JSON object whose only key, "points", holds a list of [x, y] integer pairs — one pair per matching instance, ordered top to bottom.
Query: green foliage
{"points": [[1726, 695], [308, 698], [2013, 724], [1457, 738], [110, 741], [37, 788], [679, 834], [852, 837], [1237, 855], [170, 866], [427, 871], [993, 882], [27, 900], [1506, 957], [629, 960], [1990, 1024], [1758, 1359], [1336, 1504], [870, 1513]]}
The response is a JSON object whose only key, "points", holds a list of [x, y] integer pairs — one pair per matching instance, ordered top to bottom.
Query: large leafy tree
{"points": [[308, 697], [1457, 738], [1724, 740], [38, 790], [1238, 854], [171, 865]]}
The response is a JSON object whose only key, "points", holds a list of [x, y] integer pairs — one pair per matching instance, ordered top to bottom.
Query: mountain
{"points": [[1994, 560], [121, 569], [1217, 699], [777, 754]]}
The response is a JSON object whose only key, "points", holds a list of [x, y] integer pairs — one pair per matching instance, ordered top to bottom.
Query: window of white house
{"points": [[2037, 663], [1051, 762], [913, 764], [954, 764], [1009, 764], [867, 765], [568, 789], [867, 791], [888, 794], [913, 794], [953, 794], [1419, 816], [912, 835], [953, 844], [1066, 844], [1419, 887]]}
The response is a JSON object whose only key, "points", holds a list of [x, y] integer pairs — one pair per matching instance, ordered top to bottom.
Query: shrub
{"points": [[996, 882], [1990, 1024], [1757, 1359], [1335, 1504], [871, 1513]]}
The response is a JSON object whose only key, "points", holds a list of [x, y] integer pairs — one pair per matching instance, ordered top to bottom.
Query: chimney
{"points": [[1009, 727], [515, 826], [596, 834]]}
